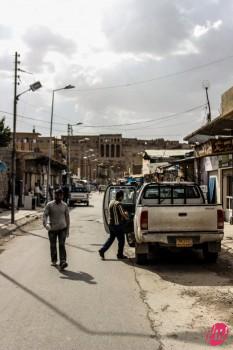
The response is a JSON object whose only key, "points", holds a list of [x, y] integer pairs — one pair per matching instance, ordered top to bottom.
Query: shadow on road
{"points": [[43, 237], [189, 269], [77, 276], [70, 319]]}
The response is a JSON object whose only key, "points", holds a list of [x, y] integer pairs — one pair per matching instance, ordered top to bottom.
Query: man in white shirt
{"points": [[56, 220]]}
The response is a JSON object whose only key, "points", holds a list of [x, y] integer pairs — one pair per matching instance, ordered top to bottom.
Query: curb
{"points": [[8, 229]]}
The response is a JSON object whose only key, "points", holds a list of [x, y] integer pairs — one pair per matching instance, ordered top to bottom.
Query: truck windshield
{"points": [[78, 189]]}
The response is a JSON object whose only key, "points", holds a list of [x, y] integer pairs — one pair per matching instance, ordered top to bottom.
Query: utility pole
{"points": [[206, 86], [69, 131], [13, 159]]}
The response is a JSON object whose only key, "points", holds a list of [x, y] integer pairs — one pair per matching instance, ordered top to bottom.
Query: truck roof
{"points": [[185, 183]]}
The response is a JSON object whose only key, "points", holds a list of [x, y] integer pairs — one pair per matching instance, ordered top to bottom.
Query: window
{"points": [[102, 150], [107, 150], [112, 151], [118, 151], [229, 185], [78, 189], [171, 192], [192, 192], [152, 193], [129, 195]]}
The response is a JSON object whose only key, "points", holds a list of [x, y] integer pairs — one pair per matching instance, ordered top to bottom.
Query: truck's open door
{"points": [[128, 204]]}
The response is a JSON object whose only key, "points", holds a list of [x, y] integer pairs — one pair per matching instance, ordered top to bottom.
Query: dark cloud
{"points": [[149, 26], [136, 32]]}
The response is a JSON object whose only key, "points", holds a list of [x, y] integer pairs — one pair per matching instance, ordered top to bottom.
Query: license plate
{"points": [[187, 242]]}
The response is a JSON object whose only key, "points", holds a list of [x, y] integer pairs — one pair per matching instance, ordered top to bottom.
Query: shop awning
{"points": [[220, 126]]}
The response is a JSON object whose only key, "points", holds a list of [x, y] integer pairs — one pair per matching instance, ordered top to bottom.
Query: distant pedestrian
{"points": [[66, 191], [51, 192], [56, 220], [117, 221]]}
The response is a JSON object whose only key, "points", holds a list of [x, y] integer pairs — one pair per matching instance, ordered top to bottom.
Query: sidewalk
{"points": [[22, 217], [227, 242]]}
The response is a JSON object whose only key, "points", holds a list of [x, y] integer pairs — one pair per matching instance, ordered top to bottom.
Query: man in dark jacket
{"points": [[116, 226]]}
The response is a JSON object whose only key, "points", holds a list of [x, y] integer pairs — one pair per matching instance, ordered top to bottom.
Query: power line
{"points": [[161, 77], [35, 119], [154, 120], [147, 121]]}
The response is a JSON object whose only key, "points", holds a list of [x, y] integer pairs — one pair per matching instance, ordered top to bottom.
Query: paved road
{"points": [[94, 304]]}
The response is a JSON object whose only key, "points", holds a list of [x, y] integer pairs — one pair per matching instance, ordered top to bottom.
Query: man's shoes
{"points": [[101, 254], [122, 257], [54, 263], [63, 265]]}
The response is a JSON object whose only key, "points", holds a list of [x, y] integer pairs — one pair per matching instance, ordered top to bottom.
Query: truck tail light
{"points": [[220, 219], [144, 220]]}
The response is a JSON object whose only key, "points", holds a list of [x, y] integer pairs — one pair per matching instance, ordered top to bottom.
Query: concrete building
{"points": [[34, 142], [213, 150], [107, 157], [161, 163]]}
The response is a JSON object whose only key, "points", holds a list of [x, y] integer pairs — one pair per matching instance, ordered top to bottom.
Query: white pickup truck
{"points": [[78, 194], [172, 215]]}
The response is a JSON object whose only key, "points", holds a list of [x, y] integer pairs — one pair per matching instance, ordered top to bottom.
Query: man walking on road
{"points": [[56, 220], [116, 226]]}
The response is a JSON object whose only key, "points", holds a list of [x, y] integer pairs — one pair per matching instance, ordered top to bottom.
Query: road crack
{"points": [[150, 311]]}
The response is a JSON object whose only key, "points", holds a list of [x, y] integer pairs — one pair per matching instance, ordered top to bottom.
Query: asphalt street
{"points": [[94, 304]]}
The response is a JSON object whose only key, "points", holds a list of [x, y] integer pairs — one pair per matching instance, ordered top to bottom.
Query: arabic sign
{"points": [[214, 147]]}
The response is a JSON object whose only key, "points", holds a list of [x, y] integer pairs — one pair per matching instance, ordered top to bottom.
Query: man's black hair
{"points": [[59, 190], [119, 194]]}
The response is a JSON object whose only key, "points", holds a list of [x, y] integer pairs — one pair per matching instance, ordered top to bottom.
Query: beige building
{"points": [[34, 142], [107, 157]]}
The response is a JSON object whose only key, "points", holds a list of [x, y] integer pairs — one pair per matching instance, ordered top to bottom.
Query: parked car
{"points": [[78, 195], [172, 215]]}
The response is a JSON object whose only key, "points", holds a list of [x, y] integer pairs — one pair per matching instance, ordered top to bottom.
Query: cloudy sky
{"points": [[138, 62]]}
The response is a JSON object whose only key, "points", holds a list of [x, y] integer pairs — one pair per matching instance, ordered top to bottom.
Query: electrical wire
{"points": [[161, 77], [35, 119], [148, 121], [151, 121]]}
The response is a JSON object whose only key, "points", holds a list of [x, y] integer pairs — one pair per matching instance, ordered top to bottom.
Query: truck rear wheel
{"points": [[210, 257], [141, 259]]}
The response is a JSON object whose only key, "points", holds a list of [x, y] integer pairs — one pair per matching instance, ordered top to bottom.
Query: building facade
{"points": [[213, 151], [107, 157]]}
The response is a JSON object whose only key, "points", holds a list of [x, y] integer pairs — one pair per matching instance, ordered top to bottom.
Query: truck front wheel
{"points": [[141, 259]]}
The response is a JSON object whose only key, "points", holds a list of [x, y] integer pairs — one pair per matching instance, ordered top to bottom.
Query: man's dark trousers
{"points": [[116, 231], [61, 235]]}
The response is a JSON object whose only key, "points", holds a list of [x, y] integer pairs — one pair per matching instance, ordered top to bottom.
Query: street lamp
{"points": [[33, 87], [70, 132], [50, 136]]}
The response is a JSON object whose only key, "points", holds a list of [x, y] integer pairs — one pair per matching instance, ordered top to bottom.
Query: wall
{"points": [[227, 101]]}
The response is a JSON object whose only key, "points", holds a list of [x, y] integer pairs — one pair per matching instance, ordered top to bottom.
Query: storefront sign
{"points": [[215, 147]]}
